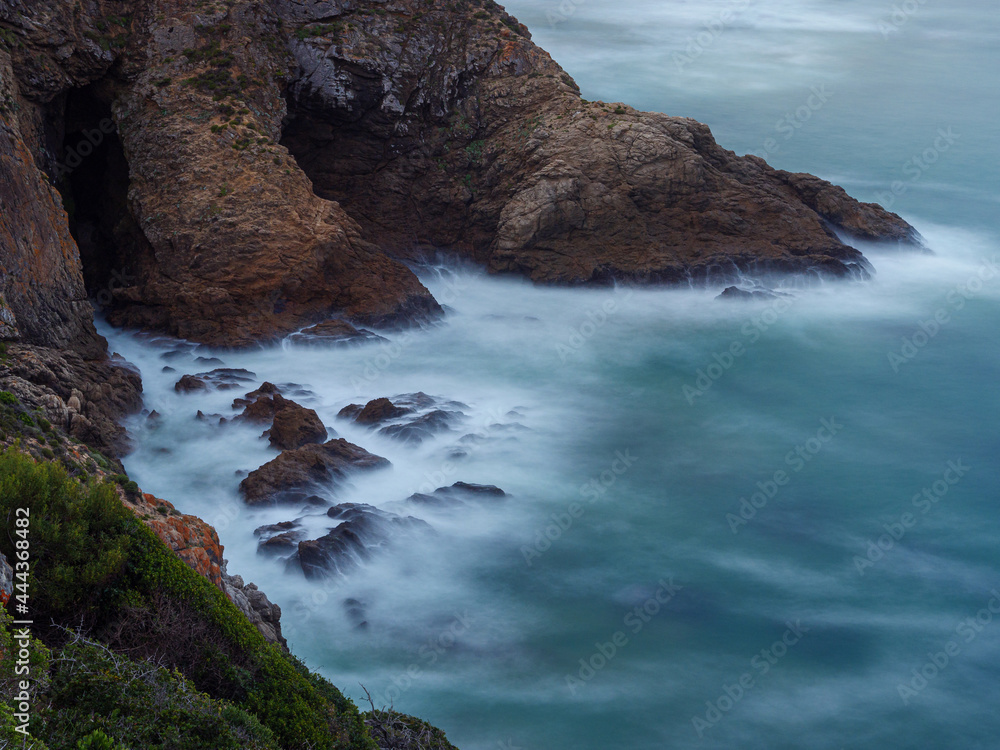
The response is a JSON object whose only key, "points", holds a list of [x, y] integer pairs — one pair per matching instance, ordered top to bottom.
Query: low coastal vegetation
{"points": [[133, 649]]}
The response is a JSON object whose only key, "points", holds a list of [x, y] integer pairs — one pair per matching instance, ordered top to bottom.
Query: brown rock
{"points": [[514, 169], [190, 384], [87, 399], [350, 411], [378, 411], [296, 426], [291, 476], [194, 541]]}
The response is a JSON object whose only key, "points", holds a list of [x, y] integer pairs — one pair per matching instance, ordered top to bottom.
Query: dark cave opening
{"points": [[93, 178]]}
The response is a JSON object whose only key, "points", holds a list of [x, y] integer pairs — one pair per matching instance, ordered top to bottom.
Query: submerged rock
{"points": [[734, 293], [335, 333], [222, 379], [380, 410], [425, 427], [295, 474], [458, 494], [363, 530]]}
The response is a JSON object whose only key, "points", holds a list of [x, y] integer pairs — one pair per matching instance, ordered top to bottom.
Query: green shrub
{"points": [[8, 398], [97, 566]]}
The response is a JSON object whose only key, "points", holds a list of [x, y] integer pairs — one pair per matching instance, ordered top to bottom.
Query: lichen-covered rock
{"points": [[194, 541], [6, 580]]}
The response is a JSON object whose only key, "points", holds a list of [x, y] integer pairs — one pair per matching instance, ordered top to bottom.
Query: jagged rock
{"points": [[454, 131], [515, 170], [190, 384], [266, 389], [87, 399], [380, 410], [350, 411], [292, 425], [295, 427], [425, 427], [291, 476], [363, 530], [197, 543], [253, 602]]}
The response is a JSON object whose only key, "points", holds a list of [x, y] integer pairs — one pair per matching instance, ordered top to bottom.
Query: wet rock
{"points": [[736, 294], [334, 333], [209, 361], [225, 378], [222, 379], [190, 384], [266, 389], [420, 401], [380, 410], [350, 411], [291, 425], [295, 426], [425, 427], [295, 474], [458, 494], [274, 528], [362, 531], [280, 544]]}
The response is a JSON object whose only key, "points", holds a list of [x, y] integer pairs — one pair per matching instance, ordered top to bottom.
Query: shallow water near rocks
{"points": [[628, 427]]}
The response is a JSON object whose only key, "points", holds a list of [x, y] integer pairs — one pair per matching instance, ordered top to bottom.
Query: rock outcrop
{"points": [[492, 152], [236, 172], [294, 475], [361, 531], [197, 544]]}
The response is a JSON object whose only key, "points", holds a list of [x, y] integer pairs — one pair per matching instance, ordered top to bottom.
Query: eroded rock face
{"points": [[420, 125], [491, 151], [221, 236], [42, 297], [85, 398], [295, 474], [197, 543]]}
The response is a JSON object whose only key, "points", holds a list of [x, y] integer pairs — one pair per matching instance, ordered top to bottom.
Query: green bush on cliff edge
{"points": [[97, 569]]}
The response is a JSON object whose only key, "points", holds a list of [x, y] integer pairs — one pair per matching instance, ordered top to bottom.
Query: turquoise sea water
{"points": [[729, 526]]}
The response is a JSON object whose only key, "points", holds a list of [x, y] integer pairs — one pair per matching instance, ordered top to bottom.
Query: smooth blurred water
{"points": [[478, 628]]}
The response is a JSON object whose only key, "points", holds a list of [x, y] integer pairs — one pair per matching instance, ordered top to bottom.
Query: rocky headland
{"points": [[235, 172]]}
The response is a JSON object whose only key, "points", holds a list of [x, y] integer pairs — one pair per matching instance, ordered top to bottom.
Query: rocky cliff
{"points": [[233, 171]]}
